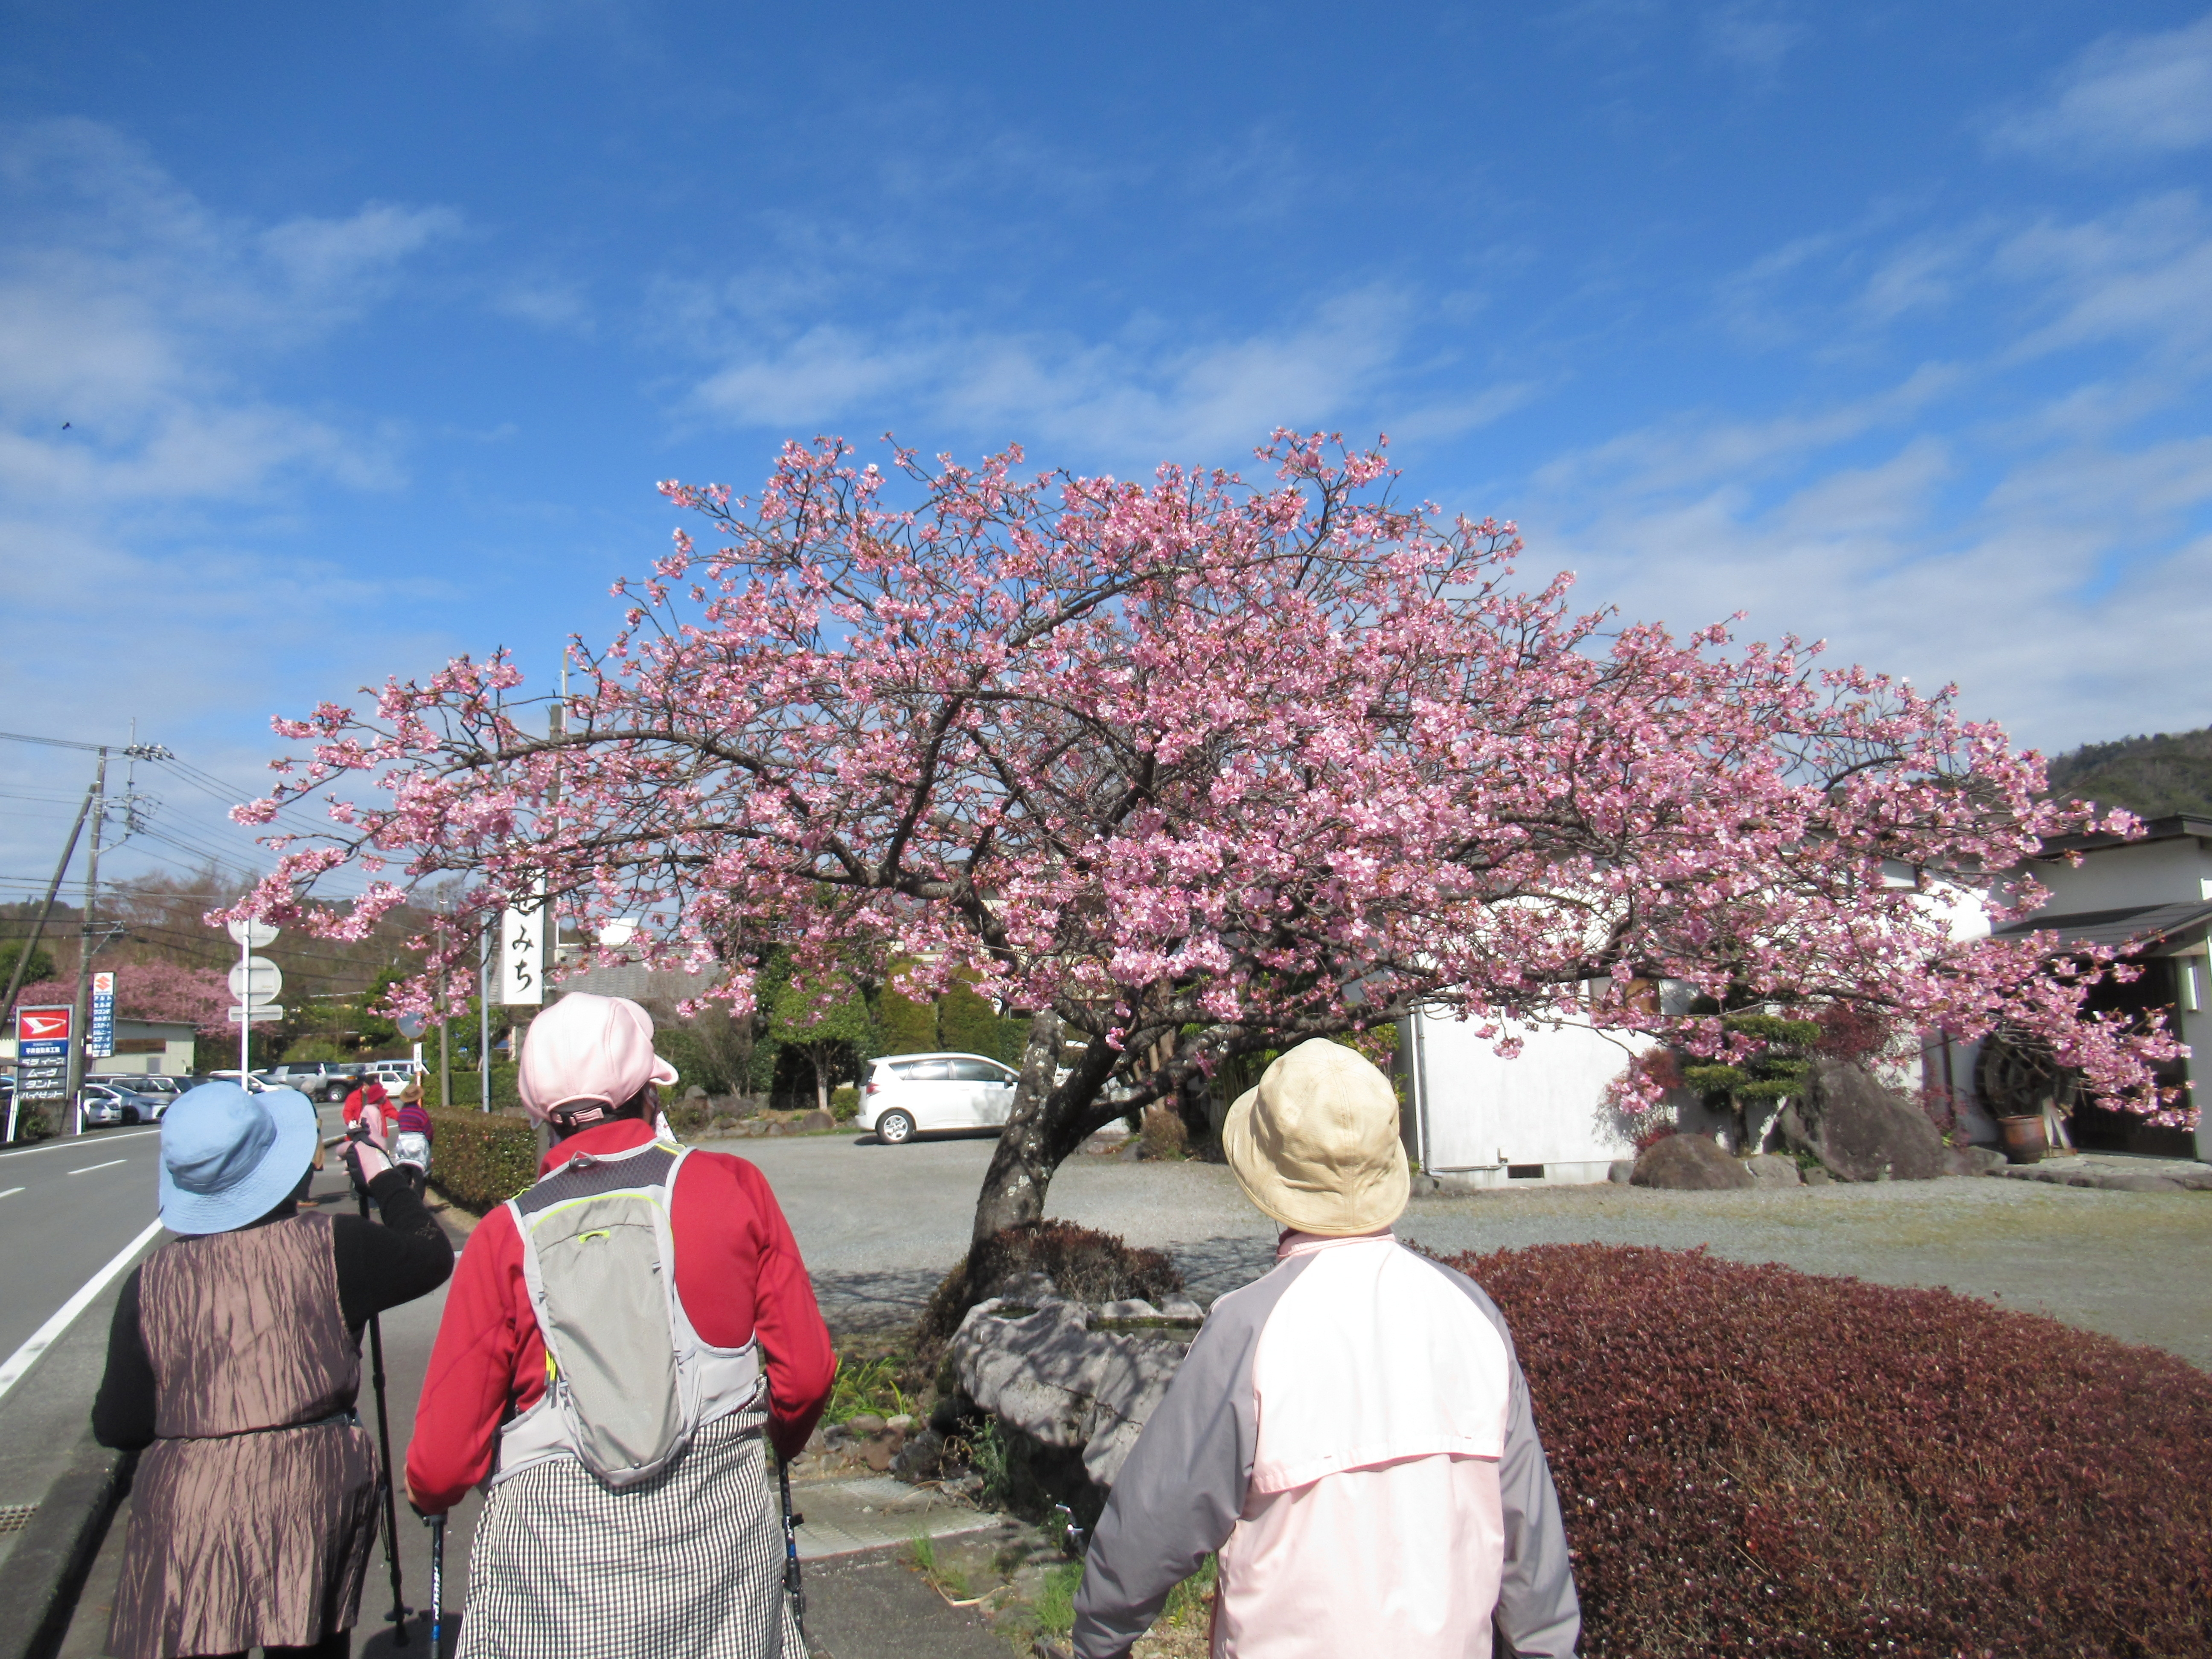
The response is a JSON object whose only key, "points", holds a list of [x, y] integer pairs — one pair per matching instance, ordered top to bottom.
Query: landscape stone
{"points": [[818, 1119], [1860, 1129], [1976, 1161], [1688, 1163], [1620, 1170], [1768, 1171], [1817, 1177], [2141, 1183], [1135, 1307], [1047, 1374]]}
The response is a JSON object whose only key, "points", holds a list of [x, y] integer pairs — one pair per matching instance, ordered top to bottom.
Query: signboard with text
{"points": [[522, 957], [100, 1029], [42, 1052]]}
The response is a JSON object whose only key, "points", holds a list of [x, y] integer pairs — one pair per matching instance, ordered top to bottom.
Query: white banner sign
{"points": [[522, 957]]}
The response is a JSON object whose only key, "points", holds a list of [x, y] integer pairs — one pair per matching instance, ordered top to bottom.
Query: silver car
{"points": [[909, 1094], [103, 1104]]}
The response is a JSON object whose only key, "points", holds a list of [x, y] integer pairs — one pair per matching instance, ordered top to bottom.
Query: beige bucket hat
{"points": [[1316, 1145]]}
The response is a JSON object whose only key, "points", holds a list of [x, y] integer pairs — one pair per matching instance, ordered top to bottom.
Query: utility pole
{"points": [[53, 887], [483, 1009], [445, 1018], [78, 1034]]}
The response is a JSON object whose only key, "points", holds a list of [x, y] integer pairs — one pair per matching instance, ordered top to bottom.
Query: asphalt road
{"points": [[68, 1208]]}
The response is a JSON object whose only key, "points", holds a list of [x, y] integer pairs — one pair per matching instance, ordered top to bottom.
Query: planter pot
{"points": [[2025, 1141]]}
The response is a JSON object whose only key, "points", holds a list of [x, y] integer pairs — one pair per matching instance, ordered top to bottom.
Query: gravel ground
{"points": [[880, 1225]]}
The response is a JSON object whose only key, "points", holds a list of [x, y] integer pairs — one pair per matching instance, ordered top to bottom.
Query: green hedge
{"points": [[468, 1092], [481, 1160]]}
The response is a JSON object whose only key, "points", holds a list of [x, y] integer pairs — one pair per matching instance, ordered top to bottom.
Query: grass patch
{"points": [[866, 1388], [1056, 1602]]}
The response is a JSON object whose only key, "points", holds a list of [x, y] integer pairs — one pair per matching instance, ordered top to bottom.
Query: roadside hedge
{"points": [[481, 1160], [1755, 1460]]}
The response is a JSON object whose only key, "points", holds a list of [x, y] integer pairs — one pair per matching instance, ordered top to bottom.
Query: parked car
{"points": [[394, 1073], [319, 1079], [254, 1085], [161, 1089], [909, 1094], [104, 1104]]}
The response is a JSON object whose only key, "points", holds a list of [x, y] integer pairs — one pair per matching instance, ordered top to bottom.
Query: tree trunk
{"points": [[821, 1091], [1047, 1123]]}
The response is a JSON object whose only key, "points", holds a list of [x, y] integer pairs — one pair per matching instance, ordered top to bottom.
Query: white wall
{"points": [[2174, 872], [1476, 1113]]}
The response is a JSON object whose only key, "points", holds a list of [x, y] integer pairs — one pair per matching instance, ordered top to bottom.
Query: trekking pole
{"points": [[389, 1515], [437, 1525], [792, 1587]]}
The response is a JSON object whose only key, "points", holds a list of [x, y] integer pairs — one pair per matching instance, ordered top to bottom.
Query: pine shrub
{"points": [[1086, 1265], [1756, 1461]]}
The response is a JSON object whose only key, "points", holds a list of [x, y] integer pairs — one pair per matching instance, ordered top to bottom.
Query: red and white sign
{"points": [[42, 1025]]}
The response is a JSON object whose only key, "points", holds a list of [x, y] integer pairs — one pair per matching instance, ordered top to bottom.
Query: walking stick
{"points": [[388, 1516], [437, 1525], [792, 1587]]}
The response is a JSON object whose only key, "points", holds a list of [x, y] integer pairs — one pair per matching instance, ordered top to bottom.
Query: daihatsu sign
{"points": [[42, 1048]]}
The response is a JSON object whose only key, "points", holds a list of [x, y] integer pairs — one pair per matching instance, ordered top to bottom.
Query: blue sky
{"points": [[374, 327]]}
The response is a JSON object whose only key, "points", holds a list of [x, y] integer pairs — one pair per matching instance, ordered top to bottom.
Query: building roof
{"points": [[2171, 828], [2150, 925]]}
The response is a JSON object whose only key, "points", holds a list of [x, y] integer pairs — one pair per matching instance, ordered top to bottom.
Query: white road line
{"points": [[76, 1144], [89, 1168], [11, 1192], [50, 1332]]}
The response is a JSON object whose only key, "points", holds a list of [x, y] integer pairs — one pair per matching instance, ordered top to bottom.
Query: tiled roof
{"points": [[2153, 924]]}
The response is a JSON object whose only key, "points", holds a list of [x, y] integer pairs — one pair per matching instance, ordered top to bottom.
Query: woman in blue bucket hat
{"points": [[235, 1359]]}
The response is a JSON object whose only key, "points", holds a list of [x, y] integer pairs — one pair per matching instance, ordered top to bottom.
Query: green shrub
{"points": [[904, 1026], [310, 1049], [468, 1092], [844, 1103], [481, 1160]]}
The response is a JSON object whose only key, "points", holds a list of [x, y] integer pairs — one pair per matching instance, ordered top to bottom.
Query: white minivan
{"points": [[909, 1093]]}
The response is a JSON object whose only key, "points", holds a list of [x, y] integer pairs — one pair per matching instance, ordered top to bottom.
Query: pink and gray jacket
{"points": [[1352, 1434]]}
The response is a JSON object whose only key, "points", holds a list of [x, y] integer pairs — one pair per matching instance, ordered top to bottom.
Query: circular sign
{"points": [[253, 934], [256, 979], [412, 1025]]}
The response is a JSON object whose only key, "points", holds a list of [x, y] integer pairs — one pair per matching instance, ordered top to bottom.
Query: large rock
{"points": [[1862, 1130], [1976, 1161], [1688, 1163], [1768, 1171], [1029, 1358]]}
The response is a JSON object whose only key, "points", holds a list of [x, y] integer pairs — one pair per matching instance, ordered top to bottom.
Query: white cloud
{"points": [[1753, 35], [2140, 93], [1134, 400]]}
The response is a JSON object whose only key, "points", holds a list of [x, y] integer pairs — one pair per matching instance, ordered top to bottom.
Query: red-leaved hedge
{"points": [[1756, 1461]]}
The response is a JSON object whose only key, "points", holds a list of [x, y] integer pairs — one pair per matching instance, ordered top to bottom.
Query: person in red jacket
{"points": [[369, 1096], [653, 1433]]}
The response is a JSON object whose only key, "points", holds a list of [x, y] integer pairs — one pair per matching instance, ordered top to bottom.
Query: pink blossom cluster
{"points": [[1222, 762]]}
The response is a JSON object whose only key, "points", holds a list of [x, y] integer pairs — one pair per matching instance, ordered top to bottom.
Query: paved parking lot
{"points": [[880, 1225]]}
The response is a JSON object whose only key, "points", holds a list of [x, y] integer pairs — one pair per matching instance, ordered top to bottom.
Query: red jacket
{"points": [[369, 1094], [737, 1268]]}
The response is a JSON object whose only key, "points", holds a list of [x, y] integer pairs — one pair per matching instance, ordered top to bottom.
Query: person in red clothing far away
{"points": [[368, 1097], [412, 1135], [651, 1432]]}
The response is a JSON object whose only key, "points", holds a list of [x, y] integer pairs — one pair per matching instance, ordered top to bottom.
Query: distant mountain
{"points": [[2153, 776]]}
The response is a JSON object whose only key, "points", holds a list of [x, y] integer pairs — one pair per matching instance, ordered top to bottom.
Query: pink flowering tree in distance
{"points": [[1193, 769]]}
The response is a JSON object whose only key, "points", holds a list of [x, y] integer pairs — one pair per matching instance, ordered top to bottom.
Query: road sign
{"points": [[253, 934], [522, 957], [257, 979], [256, 1014], [412, 1025], [100, 1033], [42, 1046]]}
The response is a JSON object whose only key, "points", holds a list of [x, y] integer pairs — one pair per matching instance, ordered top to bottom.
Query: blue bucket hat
{"points": [[228, 1157]]}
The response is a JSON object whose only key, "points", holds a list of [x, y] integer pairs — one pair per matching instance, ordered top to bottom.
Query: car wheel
{"points": [[129, 1115], [894, 1127]]}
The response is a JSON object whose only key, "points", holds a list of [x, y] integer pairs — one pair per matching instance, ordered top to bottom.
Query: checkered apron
{"points": [[689, 1565]]}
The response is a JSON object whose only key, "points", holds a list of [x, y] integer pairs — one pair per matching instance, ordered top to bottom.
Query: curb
{"points": [[40, 1580]]}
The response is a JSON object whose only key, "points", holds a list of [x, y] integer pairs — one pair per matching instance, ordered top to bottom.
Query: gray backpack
{"points": [[629, 1382]]}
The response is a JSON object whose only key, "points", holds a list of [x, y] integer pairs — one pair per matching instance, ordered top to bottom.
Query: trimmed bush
{"points": [[468, 1092], [845, 1103], [481, 1160], [1089, 1266], [1756, 1461]]}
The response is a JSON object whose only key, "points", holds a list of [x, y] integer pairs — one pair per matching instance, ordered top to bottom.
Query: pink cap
{"points": [[588, 1048]]}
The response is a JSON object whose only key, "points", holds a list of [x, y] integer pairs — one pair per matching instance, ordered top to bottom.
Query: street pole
{"points": [[53, 887], [246, 1001], [483, 1012], [445, 1026], [77, 1033]]}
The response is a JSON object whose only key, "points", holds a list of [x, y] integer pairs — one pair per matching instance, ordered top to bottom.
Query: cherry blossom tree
{"points": [[1197, 768], [153, 989]]}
